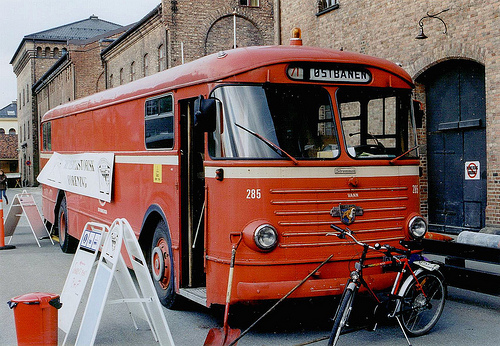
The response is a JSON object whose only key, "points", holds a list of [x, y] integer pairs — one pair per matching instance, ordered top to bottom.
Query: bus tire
{"points": [[67, 243], [161, 265]]}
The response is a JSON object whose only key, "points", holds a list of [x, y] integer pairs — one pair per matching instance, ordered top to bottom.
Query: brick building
{"points": [[203, 27], [180, 31], [139, 52], [36, 54], [68, 62], [77, 73], [457, 80], [8, 142]]}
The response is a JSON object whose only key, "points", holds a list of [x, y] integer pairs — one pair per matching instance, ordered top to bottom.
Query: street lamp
{"points": [[421, 35]]}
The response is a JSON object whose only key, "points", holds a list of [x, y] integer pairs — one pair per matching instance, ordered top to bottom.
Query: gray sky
{"points": [[23, 17]]}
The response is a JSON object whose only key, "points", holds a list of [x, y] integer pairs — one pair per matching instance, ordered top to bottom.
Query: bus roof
{"points": [[219, 66]]}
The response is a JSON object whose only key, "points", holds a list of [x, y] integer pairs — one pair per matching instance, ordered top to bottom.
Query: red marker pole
{"points": [[2, 230]]}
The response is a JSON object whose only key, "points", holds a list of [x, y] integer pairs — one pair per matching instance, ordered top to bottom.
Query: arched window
{"points": [[253, 3], [64, 51], [38, 52], [47, 52], [56, 53], [161, 58], [146, 64], [132, 71], [121, 76], [111, 81], [2, 131], [12, 131]]}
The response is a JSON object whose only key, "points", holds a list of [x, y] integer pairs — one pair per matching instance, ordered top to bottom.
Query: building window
{"points": [[252, 3], [327, 5], [38, 52], [47, 52], [56, 53], [161, 58], [146, 65], [132, 71], [121, 76], [111, 81], [2, 131], [12, 131], [47, 136]]}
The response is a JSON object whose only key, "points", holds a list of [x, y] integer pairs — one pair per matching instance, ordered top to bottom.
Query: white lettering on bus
{"points": [[339, 75], [254, 194]]}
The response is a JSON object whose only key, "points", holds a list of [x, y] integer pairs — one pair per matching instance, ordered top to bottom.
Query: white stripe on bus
{"points": [[171, 160], [312, 172]]}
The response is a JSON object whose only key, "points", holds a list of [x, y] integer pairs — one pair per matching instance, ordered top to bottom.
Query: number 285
{"points": [[254, 194]]}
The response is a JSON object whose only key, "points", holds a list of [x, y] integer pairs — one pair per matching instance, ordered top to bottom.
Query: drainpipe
{"points": [[277, 22]]}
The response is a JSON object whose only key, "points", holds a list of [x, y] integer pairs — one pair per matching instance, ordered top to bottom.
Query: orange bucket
{"points": [[36, 318]]}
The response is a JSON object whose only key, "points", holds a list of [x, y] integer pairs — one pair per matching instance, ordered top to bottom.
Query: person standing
{"points": [[3, 186]]}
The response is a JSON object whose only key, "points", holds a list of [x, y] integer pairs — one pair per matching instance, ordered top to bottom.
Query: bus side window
{"points": [[159, 123]]}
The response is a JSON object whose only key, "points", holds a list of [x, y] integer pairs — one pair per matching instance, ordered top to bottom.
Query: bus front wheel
{"points": [[161, 264]]}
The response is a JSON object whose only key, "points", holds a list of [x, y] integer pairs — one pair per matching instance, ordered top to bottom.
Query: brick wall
{"points": [[206, 26], [388, 29], [137, 55]]}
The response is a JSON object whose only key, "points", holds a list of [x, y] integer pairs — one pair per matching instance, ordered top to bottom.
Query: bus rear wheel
{"points": [[67, 243], [161, 264]]}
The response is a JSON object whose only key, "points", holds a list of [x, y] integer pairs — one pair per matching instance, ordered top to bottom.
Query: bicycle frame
{"points": [[402, 262], [402, 266]]}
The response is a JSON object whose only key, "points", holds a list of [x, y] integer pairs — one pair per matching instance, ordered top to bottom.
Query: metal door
{"points": [[456, 125]]}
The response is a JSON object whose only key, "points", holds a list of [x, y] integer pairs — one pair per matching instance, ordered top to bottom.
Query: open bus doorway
{"points": [[193, 198]]}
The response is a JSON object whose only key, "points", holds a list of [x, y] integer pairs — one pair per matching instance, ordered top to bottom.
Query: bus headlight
{"points": [[417, 227], [265, 237]]}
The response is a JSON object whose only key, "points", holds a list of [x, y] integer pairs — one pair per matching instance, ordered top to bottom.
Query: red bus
{"points": [[269, 144]]}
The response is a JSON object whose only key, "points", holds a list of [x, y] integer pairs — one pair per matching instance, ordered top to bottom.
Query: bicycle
{"points": [[416, 299]]}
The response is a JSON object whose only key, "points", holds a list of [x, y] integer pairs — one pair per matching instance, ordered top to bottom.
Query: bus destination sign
{"points": [[333, 74]]}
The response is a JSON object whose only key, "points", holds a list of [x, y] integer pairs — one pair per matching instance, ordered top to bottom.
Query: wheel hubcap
{"points": [[160, 263]]}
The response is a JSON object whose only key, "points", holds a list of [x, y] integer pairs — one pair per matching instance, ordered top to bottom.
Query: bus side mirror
{"points": [[205, 114]]}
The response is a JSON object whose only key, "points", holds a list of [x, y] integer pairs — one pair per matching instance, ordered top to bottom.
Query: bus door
{"points": [[192, 197]]}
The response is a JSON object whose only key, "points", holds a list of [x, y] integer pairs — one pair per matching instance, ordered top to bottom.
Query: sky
{"points": [[19, 18]]}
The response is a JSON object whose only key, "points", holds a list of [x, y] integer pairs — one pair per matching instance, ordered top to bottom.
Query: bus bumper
{"points": [[252, 291]]}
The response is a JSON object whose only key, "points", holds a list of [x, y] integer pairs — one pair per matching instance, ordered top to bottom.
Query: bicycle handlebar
{"points": [[388, 249]]}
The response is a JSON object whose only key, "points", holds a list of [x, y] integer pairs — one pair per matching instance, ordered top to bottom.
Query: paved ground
{"points": [[468, 318]]}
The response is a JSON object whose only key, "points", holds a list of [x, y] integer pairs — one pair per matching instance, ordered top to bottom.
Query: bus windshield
{"points": [[274, 121], [377, 123]]}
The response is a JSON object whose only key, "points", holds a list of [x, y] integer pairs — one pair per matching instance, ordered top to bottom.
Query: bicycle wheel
{"points": [[419, 312], [342, 315]]}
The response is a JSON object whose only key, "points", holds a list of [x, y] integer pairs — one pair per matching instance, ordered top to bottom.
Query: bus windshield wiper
{"points": [[271, 145], [403, 154]]}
